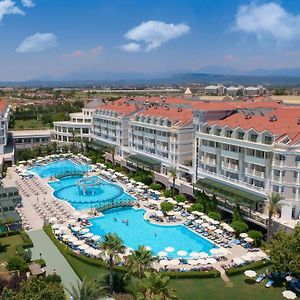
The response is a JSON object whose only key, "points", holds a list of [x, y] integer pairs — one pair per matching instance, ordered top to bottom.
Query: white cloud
{"points": [[28, 3], [8, 7], [268, 20], [152, 34], [38, 42], [131, 47], [90, 53]]}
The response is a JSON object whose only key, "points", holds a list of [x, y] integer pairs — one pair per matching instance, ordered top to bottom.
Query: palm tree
{"points": [[73, 132], [112, 152], [173, 173], [273, 208], [113, 246], [139, 261], [155, 286], [87, 290]]}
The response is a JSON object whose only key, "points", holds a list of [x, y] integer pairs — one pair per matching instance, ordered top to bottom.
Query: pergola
{"points": [[145, 161]]}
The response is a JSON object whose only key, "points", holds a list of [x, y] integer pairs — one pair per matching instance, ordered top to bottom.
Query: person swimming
{"points": [[115, 219]]}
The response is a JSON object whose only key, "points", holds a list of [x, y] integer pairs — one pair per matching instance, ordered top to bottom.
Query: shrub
{"points": [[155, 186], [168, 193], [180, 198], [166, 206], [197, 207], [215, 215], [239, 227], [256, 236], [16, 263], [253, 266], [192, 274], [54, 278]]}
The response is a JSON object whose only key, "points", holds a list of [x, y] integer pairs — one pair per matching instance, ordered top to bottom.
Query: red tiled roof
{"points": [[3, 104], [120, 107], [185, 115], [286, 123]]}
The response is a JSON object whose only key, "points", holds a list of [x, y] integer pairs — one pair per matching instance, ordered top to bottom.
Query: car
{"points": [[260, 278], [269, 283]]}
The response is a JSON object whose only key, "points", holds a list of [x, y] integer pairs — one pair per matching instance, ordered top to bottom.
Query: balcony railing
{"points": [[230, 166], [255, 173]]}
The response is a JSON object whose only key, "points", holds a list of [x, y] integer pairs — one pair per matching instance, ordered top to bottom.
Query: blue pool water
{"points": [[58, 167], [67, 189], [141, 232]]}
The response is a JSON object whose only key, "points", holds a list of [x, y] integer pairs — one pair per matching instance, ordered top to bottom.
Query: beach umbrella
{"points": [[162, 198], [172, 201], [181, 204], [186, 206], [159, 213], [170, 213], [197, 213], [190, 217], [53, 220], [72, 221], [199, 221], [215, 222], [205, 225], [55, 226], [211, 227], [76, 228], [57, 231], [84, 231], [219, 231], [88, 235], [243, 235], [67, 237], [96, 238], [73, 240], [248, 240], [78, 243], [84, 247], [148, 248], [169, 249], [214, 251], [96, 252], [162, 253], [181, 253], [194, 254], [203, 255], [211, 260], [202, 261], [238, 261], [164, 262], [174, 262], [193, 262], [250, 273], [289, 278], [289, 295]]}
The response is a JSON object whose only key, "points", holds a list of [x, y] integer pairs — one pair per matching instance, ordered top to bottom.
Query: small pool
{"points": [[59, 167], [67, 188], [141, 232]]}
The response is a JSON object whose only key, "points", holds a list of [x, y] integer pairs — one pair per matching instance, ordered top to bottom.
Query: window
{"points": [[240, 135], [253, 137], [268, 140]]}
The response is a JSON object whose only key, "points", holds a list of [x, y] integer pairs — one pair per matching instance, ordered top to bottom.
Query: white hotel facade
{"points": [[247, 146]]}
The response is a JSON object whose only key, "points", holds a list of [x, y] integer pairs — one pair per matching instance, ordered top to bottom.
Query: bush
{"points": [[155, 186], [168, 193], [180, 198], [166, 206], [197, 207], [215, 215], [239, 227], [256, 236], [16, 263], [253, 266], [192, 274], [54, 278], [119, 284]]}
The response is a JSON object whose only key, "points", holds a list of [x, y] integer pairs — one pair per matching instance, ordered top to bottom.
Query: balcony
{"points": [[208, 149], [230, 154], [208, 160], [255, 160], [279, 163], [230, 166], [255, 173]]}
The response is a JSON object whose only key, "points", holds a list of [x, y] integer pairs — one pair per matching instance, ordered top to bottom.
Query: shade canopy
{"points": [[250, 273], [289, 295]]}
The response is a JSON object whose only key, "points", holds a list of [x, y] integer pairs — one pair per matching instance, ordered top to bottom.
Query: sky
{"points": [[53, 38]]}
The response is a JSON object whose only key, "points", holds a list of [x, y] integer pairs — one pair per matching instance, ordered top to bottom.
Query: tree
{"points": [[112, 152], [173, 174], [180, 198], [166, 206], [197, 207], [273, 208], [215, 215], [239, 227], [256, 236], [113, 246], [285, 252], [139, 261], [16, 263], [155, 287], [39, 289], [87, 290]]}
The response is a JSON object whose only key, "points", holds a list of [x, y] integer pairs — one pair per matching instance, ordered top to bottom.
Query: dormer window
{"points": [[241, 135], [253, 137]]}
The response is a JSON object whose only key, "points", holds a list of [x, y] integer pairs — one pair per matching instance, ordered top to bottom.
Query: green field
{"points": [[8, 248]]}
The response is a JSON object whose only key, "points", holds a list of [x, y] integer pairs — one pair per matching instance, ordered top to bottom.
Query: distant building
{"points": [[218, 89], [235, 90], [252, 91], [27, 139]]}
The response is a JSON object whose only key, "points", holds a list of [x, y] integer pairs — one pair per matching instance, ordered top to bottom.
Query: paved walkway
{"points": [[54, 259]]}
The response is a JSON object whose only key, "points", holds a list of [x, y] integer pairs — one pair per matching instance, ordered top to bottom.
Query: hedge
{"points": [[9, 233], [27, 240], [253, 266], [192, 274]]}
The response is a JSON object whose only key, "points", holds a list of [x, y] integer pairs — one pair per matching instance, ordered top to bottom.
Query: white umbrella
{"points": [[162, 198], [172, 201], [181, 204], [186, 206], [159, 213], [170, 213], [197, 213], [190, 217], [53, 220], [72, 221], [199, 221], [215, 222], [205, 225], [55, 226], [211, 227], [76, 228], [84, 231], [219, 231], [88, 235], [243, 235], [67, 237], [96, 238], [73, 240], [248, 240], [78, 243], [84, 247], [148, 248], [169, 249], [214, 251], [162, 253], [181, 253], [194, 254], [203, 255], [238, 260], [202, 261], [211, 261], [164, 262], [174, 262], [192, 262], [250, 273], [289, 278], [289, 295]]}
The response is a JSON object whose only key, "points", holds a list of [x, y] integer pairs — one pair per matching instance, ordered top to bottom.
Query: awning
{"points": [[98, 144], [144, 161], [227, 192]]}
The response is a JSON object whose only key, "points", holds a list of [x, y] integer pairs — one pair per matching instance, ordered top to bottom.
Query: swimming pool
{"points": [[59, 167], [67, 188], [141, 232]]}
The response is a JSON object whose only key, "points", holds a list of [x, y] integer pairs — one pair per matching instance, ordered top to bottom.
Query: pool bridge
{"points": [[69, 174], [104, 205]]}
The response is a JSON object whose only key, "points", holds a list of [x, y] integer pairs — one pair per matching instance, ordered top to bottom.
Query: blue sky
{"points": [[58, 37]]}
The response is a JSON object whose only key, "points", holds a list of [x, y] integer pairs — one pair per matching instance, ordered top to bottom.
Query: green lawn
{"points": [[8, 248]]}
